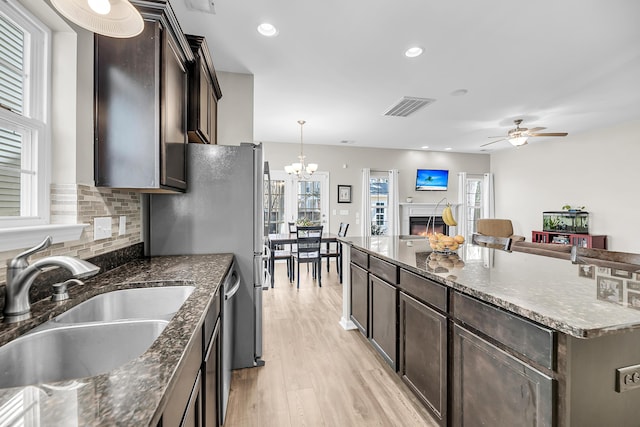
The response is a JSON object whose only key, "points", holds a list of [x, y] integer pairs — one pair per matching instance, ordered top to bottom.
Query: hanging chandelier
{"points": [[301, 169]]}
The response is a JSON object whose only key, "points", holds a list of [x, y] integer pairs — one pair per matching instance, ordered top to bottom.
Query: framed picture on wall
{"points": [[344, 193], [587, 271], [621, 273], [609, 289]]}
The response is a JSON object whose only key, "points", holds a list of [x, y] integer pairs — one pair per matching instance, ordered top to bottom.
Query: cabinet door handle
{"points": [[234, 288]]}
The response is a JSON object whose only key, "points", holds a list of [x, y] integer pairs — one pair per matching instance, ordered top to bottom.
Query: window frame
{"points": [[34, 206]]}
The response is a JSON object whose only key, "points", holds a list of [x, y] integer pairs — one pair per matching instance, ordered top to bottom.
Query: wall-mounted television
{"points": [[432, 179]]}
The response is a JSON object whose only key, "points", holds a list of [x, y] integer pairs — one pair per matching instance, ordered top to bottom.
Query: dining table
{"points": [[277, 240]]}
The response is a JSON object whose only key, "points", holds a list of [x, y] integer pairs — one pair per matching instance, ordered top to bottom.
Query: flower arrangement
{"points": [[304, 222]]}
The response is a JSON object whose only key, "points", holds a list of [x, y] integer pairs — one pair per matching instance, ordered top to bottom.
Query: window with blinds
{"points": [[11, 97], [22, 127]]}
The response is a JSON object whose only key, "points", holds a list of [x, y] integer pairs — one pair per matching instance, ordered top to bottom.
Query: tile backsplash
{"points": [[73, 203]]}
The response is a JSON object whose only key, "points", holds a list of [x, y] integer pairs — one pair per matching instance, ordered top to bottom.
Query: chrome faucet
{"points": [[20, 277]]}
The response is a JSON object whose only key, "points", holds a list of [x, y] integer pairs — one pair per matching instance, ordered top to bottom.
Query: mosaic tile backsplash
{"points": [[72, 203]]}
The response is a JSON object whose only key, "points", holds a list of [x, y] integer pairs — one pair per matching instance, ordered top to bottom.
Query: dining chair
{"points": [[498, 228], [308, 242], [286, 251], [330, 251], [282, 254]]}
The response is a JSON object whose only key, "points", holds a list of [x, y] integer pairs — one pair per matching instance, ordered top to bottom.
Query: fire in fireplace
{"points": [[418, 226]]}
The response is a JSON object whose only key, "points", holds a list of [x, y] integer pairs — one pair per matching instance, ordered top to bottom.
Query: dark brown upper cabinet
{"points": [[204, 93], [141, 105]]}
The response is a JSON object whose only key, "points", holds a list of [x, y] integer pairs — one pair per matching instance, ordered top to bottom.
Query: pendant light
{"points": [[113, 18], [301, 169]]}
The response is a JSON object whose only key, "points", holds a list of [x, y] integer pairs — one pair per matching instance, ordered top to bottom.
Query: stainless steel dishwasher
{"points": [[231, 287]]}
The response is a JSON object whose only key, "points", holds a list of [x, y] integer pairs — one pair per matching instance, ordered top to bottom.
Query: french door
{"points": [[301, 199]]}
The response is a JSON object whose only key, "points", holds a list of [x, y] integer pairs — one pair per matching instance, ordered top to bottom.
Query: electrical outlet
{"points": [[101, 228], [627, 378]]}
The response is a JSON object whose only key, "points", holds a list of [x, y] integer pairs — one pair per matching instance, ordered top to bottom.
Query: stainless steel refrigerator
{"points": [[222, 211]]}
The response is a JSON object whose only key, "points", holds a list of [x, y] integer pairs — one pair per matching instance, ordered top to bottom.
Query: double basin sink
{"points": [[92, 338]]}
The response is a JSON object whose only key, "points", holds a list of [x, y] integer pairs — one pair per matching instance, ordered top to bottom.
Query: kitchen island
{"points": [[487, 337], [136, 393]]}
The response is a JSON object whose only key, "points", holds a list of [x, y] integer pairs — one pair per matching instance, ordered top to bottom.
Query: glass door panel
{"points": [[473, 196], [379, 197], [308, 205], [274, 221]]}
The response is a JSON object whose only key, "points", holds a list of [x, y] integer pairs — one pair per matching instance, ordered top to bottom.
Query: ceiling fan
{"points": [[519, 136]]}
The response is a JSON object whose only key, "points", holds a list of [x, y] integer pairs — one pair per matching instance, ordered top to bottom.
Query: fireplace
{"points": [[418, 225]]}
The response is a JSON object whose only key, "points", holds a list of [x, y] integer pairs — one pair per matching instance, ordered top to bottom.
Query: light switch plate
{"points": [[122, 227], [101, 228]]}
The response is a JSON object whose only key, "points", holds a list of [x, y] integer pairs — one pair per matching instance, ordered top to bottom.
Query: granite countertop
{"points": [[584, 301], [135, 393]]}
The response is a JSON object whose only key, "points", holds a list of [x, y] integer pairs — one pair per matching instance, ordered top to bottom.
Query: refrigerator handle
{"points": [[267, 175], [258, 199]]}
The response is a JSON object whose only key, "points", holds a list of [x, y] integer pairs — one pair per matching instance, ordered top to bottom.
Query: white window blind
{"points": [[23, 64], [11, 97]]}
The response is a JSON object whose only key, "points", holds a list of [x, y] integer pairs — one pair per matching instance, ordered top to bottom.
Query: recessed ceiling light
{"points": [[267, 30], [414, 51], [424, 147], [448, 149]]}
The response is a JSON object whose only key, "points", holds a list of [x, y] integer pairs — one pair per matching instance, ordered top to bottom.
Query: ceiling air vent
{"points": [[408, 105]]}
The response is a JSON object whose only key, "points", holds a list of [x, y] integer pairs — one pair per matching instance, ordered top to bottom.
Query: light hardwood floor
{"points": [[316, 373]]}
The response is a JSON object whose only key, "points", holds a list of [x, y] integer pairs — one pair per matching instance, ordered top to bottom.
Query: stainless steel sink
{"points": [[140, 303], [75, 351]]}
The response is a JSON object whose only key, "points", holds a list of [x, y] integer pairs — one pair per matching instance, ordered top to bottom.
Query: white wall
{"points": [[71, 107], [235, 108], [334, 158], [598, 170]]}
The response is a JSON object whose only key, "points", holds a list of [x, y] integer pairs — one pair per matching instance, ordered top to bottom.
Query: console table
{"points": [[582, 240]]}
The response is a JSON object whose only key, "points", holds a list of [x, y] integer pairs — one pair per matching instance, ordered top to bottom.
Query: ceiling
{"points": [[570, 66]]}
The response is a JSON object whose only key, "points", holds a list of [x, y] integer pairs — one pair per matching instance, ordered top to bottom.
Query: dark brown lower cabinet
{"points": [[360, 298], [383, 332], [423, 354], [211, 381], [493, 388], [184, 405], [193, 413]]}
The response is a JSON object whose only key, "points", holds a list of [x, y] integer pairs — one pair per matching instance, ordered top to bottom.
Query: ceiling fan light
{"points": [[122, 20], [518, 141]]}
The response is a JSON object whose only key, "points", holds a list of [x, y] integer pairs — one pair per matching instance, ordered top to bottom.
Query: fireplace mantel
{"points": [[408, 210]]}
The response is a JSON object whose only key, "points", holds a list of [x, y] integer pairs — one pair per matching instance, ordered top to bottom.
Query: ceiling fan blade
{"points": [[532, 130], [549, 134], [501, 136], [493, 142]]}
